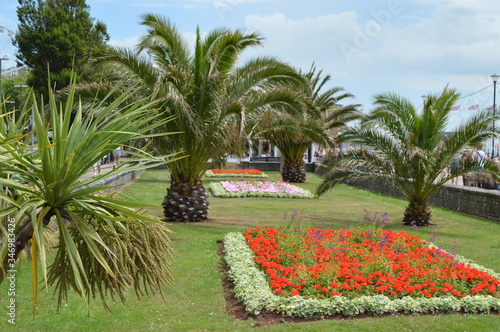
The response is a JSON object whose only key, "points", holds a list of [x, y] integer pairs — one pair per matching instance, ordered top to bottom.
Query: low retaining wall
{"points": [[271, 166], [119, 181], [471, 200]]}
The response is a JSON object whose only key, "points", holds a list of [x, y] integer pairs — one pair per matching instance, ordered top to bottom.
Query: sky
{"points": [[410, 47]]}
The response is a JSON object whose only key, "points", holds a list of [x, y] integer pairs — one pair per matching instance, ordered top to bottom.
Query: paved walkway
{"points": [[109, 166], [104, 168]]}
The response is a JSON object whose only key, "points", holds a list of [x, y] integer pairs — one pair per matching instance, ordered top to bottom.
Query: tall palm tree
{"points": [[209, 93], [320, 119], [406, 147], [43, 189]]}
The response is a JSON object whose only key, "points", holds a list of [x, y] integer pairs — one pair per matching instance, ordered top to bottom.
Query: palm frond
{"points": [[411, 145], [49, 176]]}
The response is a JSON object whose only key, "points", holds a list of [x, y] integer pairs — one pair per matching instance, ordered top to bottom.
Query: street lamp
{"points": [[5, 57], [494, 77], [424, 100]]}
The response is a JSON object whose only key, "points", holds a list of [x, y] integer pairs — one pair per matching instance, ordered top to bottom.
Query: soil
{"points": [[236, 308]]}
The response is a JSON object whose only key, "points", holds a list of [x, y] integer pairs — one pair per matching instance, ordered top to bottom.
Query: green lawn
{"points": [[195, 301]]}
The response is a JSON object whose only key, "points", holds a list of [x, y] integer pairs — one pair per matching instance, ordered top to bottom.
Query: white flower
{"points": [[258, 189], [252, 287]]}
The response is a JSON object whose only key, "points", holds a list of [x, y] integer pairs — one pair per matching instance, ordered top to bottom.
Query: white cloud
{"points": [[230, 2], [148, 5], [303, 41], [125, 42], [132, 42], [453, 42], [456, 42]]}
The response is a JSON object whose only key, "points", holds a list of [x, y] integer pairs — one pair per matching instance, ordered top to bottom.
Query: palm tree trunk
{"points": [[294, 170], [186, 202], [417, 214]]}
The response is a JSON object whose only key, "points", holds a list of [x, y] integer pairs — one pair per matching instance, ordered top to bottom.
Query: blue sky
{"points": [[411, 47]]}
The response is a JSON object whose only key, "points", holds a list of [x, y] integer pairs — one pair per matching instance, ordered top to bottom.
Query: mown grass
{"points": [[195, 302]]}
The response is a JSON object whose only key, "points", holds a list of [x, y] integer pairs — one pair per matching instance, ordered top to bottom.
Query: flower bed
{"points": [[235, 173], [231, 189], [319, 273]]}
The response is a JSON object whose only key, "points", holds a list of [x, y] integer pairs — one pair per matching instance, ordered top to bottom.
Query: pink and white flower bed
{"points": [[235, 173], [258, 189]]}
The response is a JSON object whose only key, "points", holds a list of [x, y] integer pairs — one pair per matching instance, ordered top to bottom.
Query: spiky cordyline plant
{"points": [[210, 95], [320, 116], [406, 147], [48, 186], [139, 256]]}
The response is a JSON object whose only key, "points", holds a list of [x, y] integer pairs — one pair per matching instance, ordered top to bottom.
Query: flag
{"points": [[473, 107], [455, 108], [490, 108]]}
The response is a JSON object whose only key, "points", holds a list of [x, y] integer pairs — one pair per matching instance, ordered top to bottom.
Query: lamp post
{"points": [[5, 57], [494, 77], [424, 100]]}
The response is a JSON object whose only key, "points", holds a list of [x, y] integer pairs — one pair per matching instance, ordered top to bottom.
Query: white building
{"points": [[14, 71]]}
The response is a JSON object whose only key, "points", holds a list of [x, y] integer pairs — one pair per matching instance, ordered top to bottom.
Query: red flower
{"points": [[237, 171], [361, 262], [345, 286]]}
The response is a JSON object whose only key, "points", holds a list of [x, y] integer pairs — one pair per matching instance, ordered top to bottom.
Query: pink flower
{"points": [[260, 186]]}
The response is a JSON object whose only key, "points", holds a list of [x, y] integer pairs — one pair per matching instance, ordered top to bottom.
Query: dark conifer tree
{"points": [[56, 36]]}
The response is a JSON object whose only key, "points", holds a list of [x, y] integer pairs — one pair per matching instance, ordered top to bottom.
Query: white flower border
{"points": [[210, 174], [219, 191], [252, 288]]}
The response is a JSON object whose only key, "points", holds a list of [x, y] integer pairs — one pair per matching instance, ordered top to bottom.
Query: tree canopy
{"points": [[56, 35], [208, 92], [318, 122], [406, 147], [104, 243]]}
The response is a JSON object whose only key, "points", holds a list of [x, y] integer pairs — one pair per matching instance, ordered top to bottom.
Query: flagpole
{"points": [[494, 77]]}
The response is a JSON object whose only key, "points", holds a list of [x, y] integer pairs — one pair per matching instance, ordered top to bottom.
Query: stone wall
{"points": [[271, 166], [119, 181], [471, 200]]}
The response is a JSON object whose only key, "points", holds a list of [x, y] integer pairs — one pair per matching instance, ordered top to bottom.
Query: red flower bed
{"points": [[237, 171], [354, 262]]}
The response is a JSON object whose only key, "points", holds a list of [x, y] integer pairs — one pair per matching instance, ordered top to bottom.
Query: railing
{"points": [[265, 159]]}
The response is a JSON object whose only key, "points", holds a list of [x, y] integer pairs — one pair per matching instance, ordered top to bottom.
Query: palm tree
{"points": [[209, 95], [319, 122], [406, 147], [43, 189]]}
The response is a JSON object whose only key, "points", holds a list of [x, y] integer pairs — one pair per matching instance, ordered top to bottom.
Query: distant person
{"points": [[117, 154], [479, 156], [466, 160], [97, 167], [455, 167], [491, 182]]}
